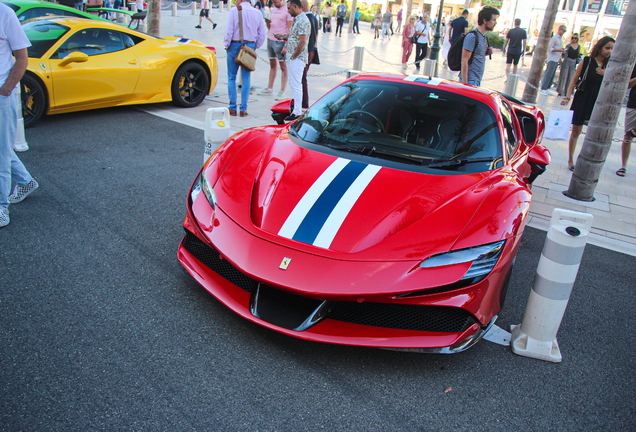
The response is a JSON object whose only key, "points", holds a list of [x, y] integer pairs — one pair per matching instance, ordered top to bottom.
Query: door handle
{"points": [[132, 62]]}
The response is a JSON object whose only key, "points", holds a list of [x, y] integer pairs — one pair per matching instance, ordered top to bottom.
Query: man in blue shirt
{"points": [[341, 13], [459, 26]]}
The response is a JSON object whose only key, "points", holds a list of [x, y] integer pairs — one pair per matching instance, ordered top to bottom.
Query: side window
{"points": [[93, 42], [510, 136]]}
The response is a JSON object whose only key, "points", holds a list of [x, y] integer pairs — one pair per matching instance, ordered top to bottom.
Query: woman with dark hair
{"points": [[327, 13], [572, 54], [590, 71]]}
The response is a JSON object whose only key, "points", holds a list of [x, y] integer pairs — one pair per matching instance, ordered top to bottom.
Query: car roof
{"points": [[76, 23]]}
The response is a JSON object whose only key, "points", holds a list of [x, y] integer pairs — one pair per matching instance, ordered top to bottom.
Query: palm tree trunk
{"points": [[352, 15], [154, 17], [540, 53], [600, 131]]}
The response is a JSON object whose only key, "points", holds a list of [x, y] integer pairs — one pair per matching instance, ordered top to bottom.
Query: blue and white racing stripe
{"points": [[320, 213]]}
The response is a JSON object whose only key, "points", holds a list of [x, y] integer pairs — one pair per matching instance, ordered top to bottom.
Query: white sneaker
{"points": [[266, 91], [280, 96], [21, 147], [21, 192], [4, 216]]}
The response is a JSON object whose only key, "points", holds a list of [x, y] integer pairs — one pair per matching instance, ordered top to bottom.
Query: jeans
{"points": [[339, 25], [356, 29], [385, 31], [420, 53], [296, 68], [232, 70], [548, 77], [471, 82], [10, 165]]}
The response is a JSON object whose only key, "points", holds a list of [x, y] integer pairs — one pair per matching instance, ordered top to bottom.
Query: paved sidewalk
{"points": [[614, 209]]}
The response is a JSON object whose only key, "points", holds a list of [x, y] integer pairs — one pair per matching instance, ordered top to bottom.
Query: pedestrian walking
{"points": [[205, 13], [327, 13], [341, 14], [398, 16], [387, 19], [356, 22], [377, 22], [279, 24], [459, 26], [254, 33], [423, 33], [407, 40], [447, 40], [13, 43], [516, 45], [297, 48], [555, 49], [311, 50], [568, 66], [590, 71], [473, 72], [630, 126]]}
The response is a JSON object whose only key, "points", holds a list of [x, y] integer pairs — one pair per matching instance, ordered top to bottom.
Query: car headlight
{"points": [[201, 184], [483, 258]]}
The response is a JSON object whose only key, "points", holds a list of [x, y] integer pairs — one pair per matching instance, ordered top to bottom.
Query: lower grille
{"points": [[211, 258], [438, 319]]}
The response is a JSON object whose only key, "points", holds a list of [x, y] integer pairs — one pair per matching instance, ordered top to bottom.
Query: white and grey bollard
{"points": [[194, 8], [174, 9], [429, 68], [511, 85], [216, 130], [20, 144], [558, 266]]}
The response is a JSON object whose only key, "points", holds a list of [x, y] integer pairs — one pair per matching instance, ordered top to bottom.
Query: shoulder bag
{"points": [[246, 57], [580, 86]]}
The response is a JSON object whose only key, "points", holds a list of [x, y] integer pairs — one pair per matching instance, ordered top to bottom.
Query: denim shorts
{"points": [[274, 50]]}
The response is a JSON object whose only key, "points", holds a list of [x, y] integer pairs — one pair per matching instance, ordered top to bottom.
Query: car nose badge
{"points": [[43, 66], [285, 263]]}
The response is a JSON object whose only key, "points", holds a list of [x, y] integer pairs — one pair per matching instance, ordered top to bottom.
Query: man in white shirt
{"points": [[205, 13], [423, 33], [13, 42], [552, 61]]}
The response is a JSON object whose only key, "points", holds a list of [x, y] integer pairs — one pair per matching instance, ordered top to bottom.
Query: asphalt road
{"points": [[102, 330]]}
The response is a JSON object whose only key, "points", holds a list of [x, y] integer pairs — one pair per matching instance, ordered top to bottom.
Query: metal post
{"points": [[133, 7], [194, 8], [174, 9], [438, 36], [358, 56], [429, 67], [511, 85]]}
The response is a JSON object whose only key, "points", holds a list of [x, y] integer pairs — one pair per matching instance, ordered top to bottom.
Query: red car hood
{"points": [[329, 205]]}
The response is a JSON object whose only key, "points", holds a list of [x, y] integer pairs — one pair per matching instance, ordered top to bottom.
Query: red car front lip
{"points": [[330, 331]]}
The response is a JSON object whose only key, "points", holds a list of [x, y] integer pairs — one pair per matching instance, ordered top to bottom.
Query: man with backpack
{"points": [[341, 13], [475, 47]]}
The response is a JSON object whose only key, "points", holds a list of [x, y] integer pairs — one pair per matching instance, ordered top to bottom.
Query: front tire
{"points": [[190, 85], [33, 100]]}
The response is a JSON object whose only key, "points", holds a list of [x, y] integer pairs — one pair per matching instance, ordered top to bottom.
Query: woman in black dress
{"points": [[591, 71]]}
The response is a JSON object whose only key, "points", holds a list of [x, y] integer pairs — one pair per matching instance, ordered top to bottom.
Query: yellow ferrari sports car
{"points": [[77, 64]]}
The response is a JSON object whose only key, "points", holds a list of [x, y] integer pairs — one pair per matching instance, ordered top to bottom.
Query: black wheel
{"points": [[190, 85], [33, 100]]}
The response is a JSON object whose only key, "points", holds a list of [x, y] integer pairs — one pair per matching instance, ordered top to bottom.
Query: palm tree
{"points": [[154, 17], [540, 53], [598, 137]]}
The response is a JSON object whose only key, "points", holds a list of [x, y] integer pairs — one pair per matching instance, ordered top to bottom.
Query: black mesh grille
{"points": [[211, 258], [405, 317], [438, 319]]}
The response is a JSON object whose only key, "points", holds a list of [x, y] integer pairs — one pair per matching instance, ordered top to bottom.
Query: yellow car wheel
{"points": [[190, 85], [33, 99]]}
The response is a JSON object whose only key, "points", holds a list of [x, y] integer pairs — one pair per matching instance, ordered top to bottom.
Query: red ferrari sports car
{"points": [[389, 215]]}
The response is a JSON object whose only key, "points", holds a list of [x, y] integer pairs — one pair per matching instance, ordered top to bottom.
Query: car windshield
{"points": [[43, 35], [406, 123]]}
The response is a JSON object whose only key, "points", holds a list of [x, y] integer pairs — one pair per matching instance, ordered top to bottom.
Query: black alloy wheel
{"points": [[190, 85]]}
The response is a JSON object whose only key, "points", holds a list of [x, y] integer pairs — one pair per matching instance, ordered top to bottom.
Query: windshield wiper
{"points": [[374, 151], [458, 162]]}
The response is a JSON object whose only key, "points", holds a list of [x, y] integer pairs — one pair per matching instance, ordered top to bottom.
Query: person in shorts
{"points": [[205, 13], [278, 24], [516, 44], [630, 126]]}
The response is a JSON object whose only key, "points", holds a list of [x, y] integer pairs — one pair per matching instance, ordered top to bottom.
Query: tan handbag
{"points": [[246, 57]]}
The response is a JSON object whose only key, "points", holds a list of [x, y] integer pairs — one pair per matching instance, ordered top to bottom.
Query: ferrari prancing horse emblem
{"points": [[285, 263]]}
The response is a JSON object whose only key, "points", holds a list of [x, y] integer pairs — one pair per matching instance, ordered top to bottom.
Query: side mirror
{"points": [[74, 57], [281, 110], [538, 159]]}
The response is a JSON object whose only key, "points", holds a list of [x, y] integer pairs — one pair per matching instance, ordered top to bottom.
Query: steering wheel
{"points": [[360, 113]]}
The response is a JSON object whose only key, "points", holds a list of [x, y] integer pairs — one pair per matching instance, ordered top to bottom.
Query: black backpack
{"points": [[454, 57]]}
